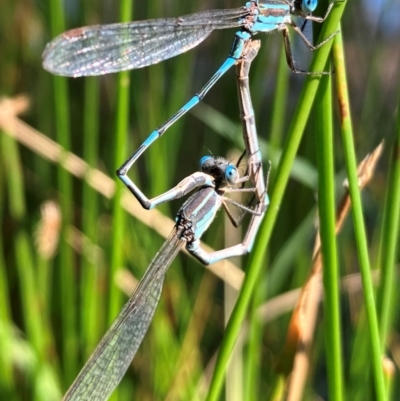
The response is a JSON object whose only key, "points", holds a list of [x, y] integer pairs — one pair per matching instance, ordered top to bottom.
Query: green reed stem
{"points": [[122, 125], [326, 203], [358, 219], [389, 241], [67, 283], [90, 317], [6, 363]]}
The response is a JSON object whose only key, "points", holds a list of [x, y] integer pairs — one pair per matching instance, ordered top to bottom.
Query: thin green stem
{"points": [[122, 125], [326, 204], [358, 219], [389, 241], [67, 283], [90, 318], [6, 364]]}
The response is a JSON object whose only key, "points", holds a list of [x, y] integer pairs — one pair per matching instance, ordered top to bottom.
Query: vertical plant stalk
{"points": [[289, 152], [326, 206], [17, 210], [358, 220], [118, 225], [389, 240], [389, 247], [67, 284], [90, 316], [6, 363]]}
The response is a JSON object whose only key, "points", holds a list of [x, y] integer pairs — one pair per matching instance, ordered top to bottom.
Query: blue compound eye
{"points": [[308, 6], [206, 162], [231, 174]]}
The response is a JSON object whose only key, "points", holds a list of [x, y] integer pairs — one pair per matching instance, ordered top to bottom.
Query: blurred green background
{"points": [[63, 245]]}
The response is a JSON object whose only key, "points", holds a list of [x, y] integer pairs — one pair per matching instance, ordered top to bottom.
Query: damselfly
{"points": [[103, 49]]}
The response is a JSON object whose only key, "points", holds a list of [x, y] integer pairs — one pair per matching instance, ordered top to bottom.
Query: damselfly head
{"points": [[220, 169]]}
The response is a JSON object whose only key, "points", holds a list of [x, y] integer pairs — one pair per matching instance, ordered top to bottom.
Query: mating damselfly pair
{"points": [[102, 49]]}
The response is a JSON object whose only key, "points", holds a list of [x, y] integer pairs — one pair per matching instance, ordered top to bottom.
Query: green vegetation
{"points": [[70, 246]]}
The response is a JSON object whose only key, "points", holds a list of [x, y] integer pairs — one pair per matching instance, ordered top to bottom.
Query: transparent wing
{"points": [[103, 49], [110, 360]]}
